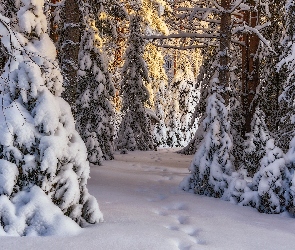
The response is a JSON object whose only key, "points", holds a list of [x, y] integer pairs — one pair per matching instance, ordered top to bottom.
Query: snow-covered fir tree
{"points": [[287, 66], [205, 74], [95, 88], [157, 88], [188, 98], [181, 127], [135, 129], [160, 129], [287, 132], [174, 137], [254, 147], [43, 160], [290, 163], [211, 167], [272, 181]]}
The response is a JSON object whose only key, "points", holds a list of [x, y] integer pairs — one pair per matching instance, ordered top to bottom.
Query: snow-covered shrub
{"points": [[95, 88], [135, 129], [255, 143], [41, 152], [290, 163], [211, 167], [272, 180], [240, 193], [32, 213]]}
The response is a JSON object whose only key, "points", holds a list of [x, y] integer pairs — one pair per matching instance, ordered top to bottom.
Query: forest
{"points": [[83, 79]]}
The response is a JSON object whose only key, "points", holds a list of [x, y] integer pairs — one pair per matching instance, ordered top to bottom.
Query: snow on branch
{"points": [[239, 4], [221, 9], [245, 28], [183, 35]]}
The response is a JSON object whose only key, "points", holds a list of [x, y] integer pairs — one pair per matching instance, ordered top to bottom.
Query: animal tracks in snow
{"points": [[183, 220], [181, 228], [187, 235]]}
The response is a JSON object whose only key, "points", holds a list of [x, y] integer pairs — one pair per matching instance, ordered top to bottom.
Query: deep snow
{"points": [[144, 208]]}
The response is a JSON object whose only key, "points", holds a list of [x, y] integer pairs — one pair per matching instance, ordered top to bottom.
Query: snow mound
{"points": [[32, 213]]}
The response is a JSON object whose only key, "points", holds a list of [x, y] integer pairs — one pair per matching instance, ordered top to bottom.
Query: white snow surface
{"points": [[144, 208]]}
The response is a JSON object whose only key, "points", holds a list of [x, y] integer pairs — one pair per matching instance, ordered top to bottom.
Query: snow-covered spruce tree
{"points": [[287, 66], [206, 73], [95, 88], [157, 88], [182, 90], [188, 98], [135, 129], [160, 130], [174, 136], [254, 147], [43, 160], [290, 163], [211, 167], [272, 181], [269, 191]]}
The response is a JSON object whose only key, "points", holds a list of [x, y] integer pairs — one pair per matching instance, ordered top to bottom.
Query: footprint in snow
{"points": [[177, 206], [161, 212], [183, 220], [172, 228], [191, 231], [201, 242], [182, 245]]}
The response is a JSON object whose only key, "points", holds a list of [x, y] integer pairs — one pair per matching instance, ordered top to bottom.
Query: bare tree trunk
{"points": [[225, 41], [69, 50], [250, 69]]}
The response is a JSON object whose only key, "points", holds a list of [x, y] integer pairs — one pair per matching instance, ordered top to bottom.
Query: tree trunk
{"points": [[53, 26], [225, 41], [70, 45], [250, 69]]}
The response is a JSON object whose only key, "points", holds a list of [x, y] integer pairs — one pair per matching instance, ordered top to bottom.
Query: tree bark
{"points": [[53, 26], [225, 41], [70, 45], [250, 68]]}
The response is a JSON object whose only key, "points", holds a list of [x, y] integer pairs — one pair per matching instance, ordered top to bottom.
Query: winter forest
{"points": [[85, 82]]}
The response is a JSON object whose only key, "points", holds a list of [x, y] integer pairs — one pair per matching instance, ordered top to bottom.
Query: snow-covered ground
{"points": [[144, 209]]}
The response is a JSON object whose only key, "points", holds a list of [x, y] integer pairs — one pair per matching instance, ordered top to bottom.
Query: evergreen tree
{"points": [[286, 66], [204, 77], [95, 88], [180, 127], [135, 129], [160, 129], [286, 129], [175, 136], [255, 144], [42, 157], [290, 163], [211, 167], [271, 181]]}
